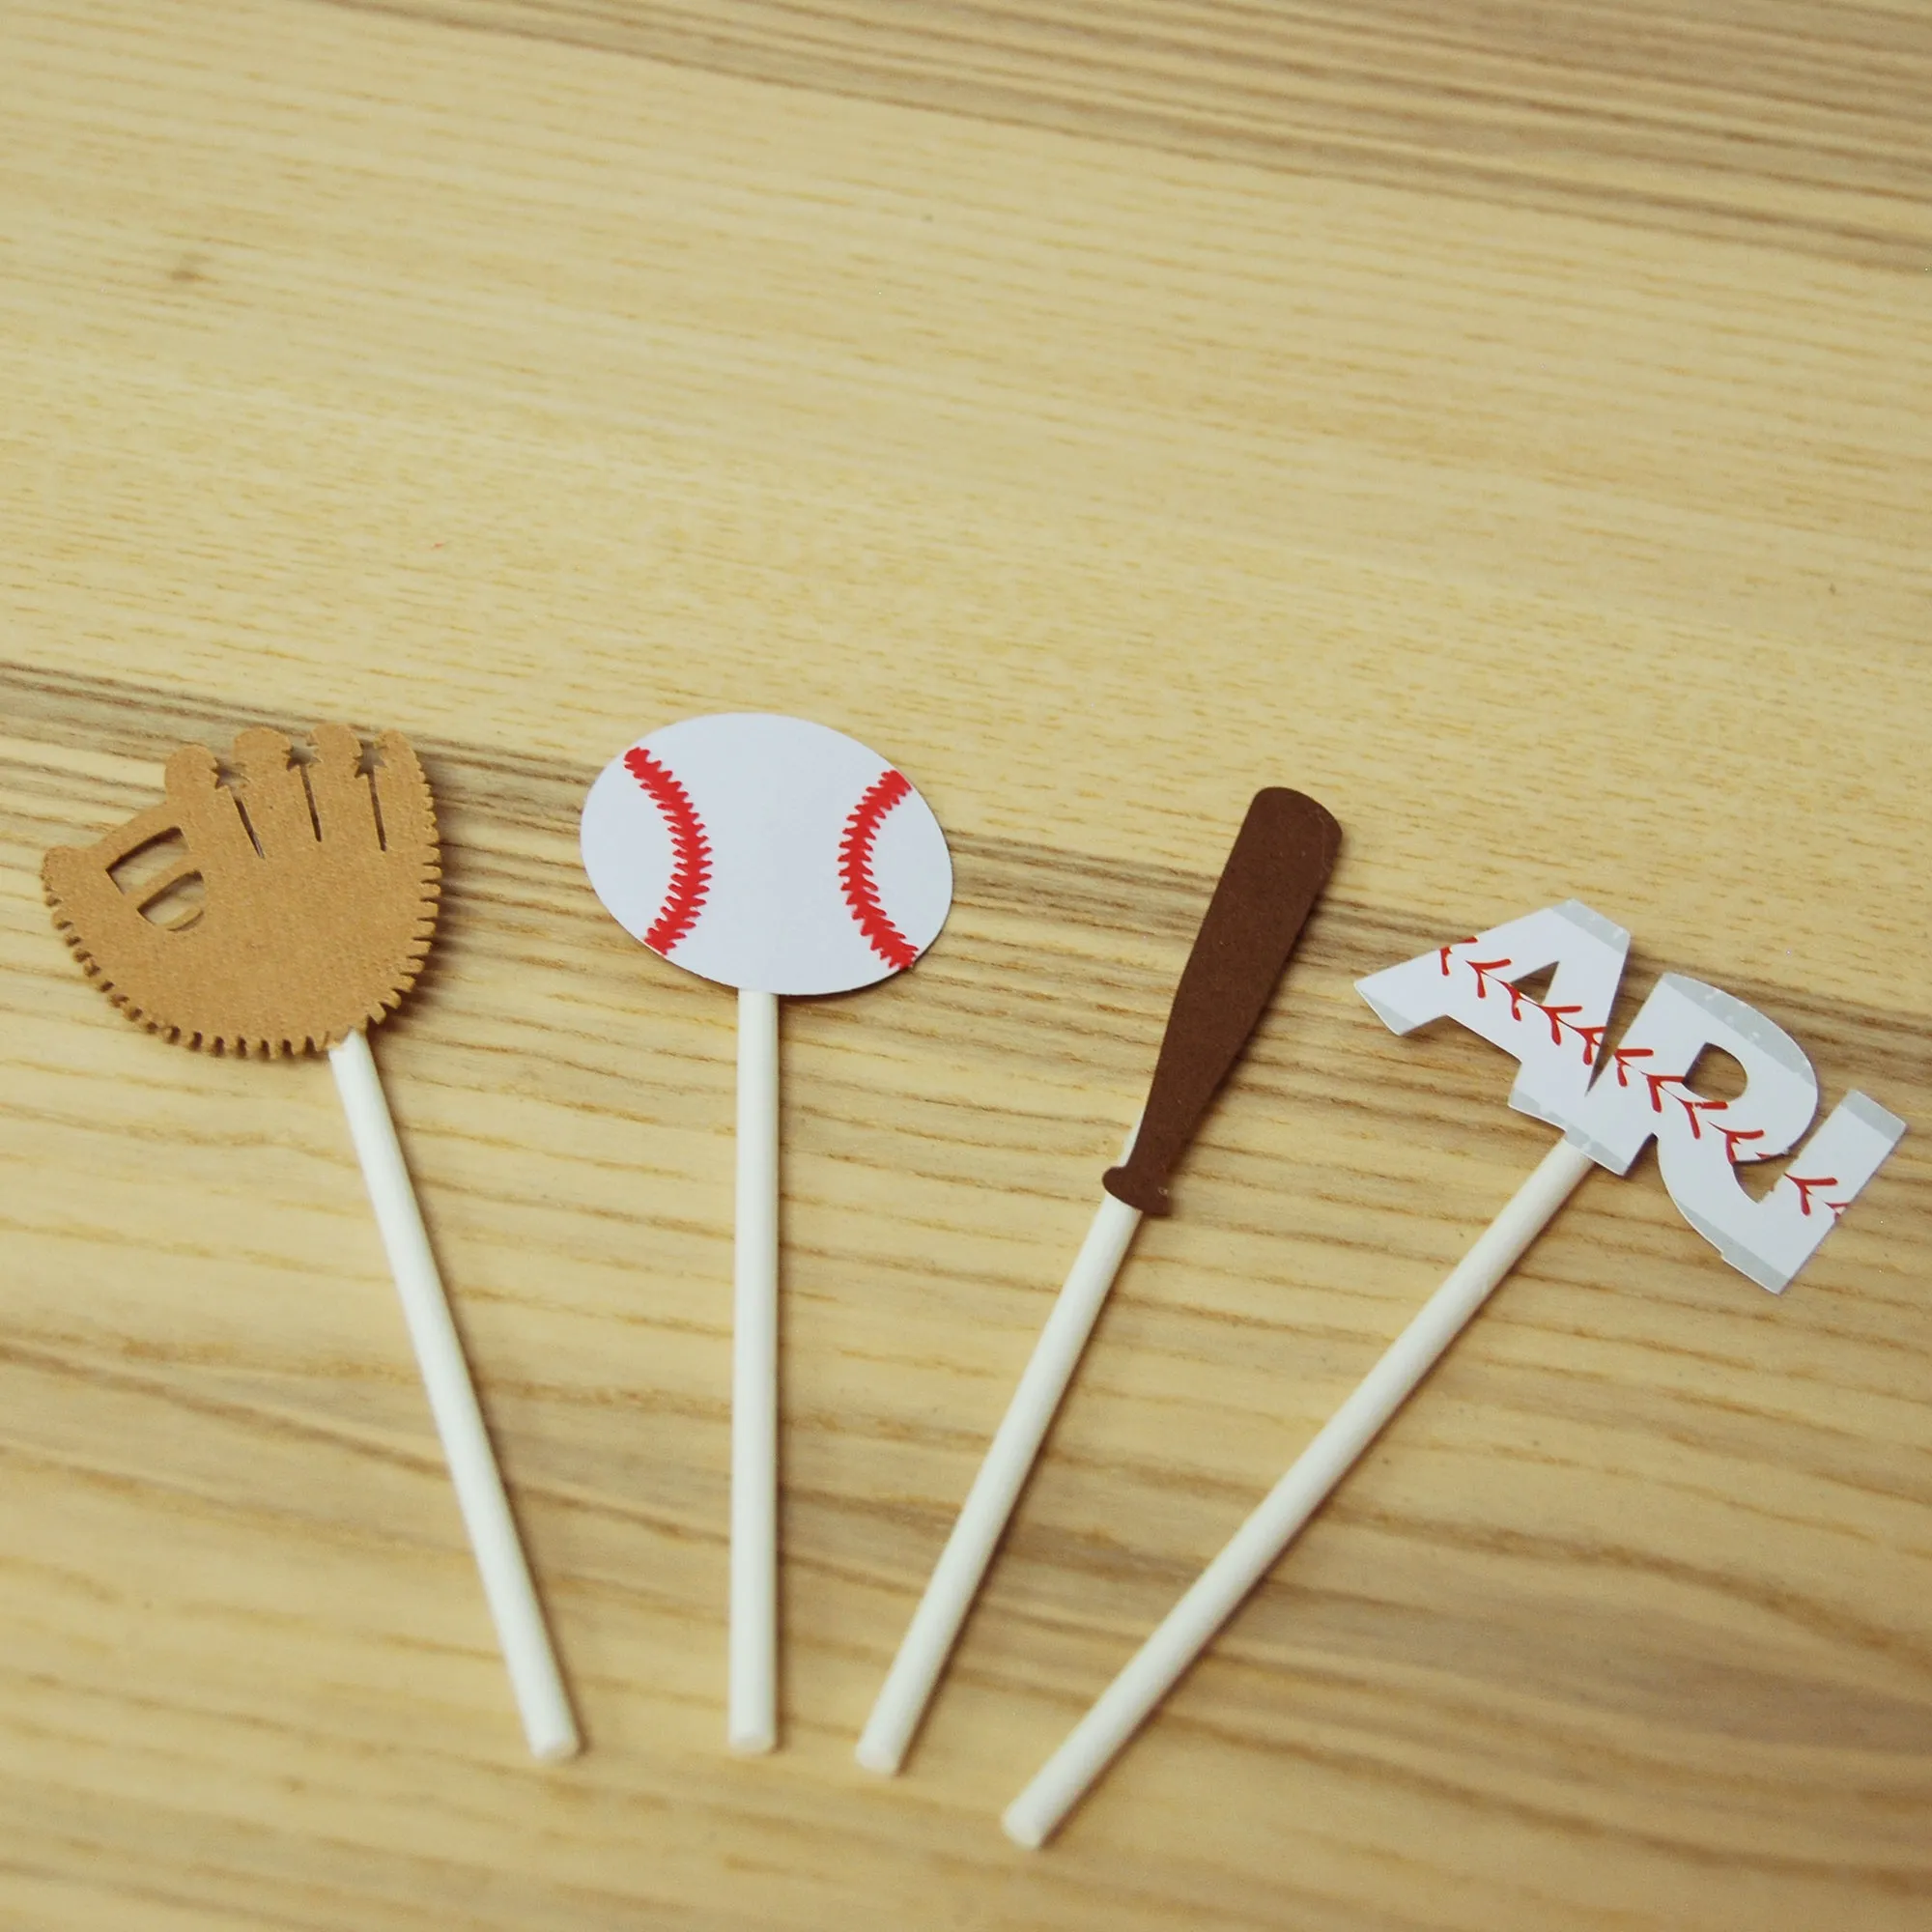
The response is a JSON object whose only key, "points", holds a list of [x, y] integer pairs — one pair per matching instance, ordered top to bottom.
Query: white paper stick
{"points": [[955, 1580], [519, 1618], [752, 1719], [1032, 1817]]}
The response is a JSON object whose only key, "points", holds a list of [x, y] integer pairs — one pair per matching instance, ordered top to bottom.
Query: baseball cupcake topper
{"points": [[777, 856], [1280, 861], [317, 882], [1609, 1102]]}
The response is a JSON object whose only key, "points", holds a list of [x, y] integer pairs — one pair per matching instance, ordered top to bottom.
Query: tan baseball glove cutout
{"points": [[320, 882]]}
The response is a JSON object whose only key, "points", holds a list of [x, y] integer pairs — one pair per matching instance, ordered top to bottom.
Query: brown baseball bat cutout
{"points": [[1281, 860]]}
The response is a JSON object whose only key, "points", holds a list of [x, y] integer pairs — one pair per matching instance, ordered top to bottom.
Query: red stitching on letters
{"points": [[690, 850], [855, 869], [1482, 969], [1560, 1023], [1590, 1038], [1591, 1041], [1623, 1056], [1690, 1101], [1807, 1188]]}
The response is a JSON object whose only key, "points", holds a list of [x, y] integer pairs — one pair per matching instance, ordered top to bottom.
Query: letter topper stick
{"points": [[775, 856], [1280, 861], [319, 884], [1558, 1042]]}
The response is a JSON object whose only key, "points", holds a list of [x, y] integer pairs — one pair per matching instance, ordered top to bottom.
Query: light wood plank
{"points": [[524, 375]]}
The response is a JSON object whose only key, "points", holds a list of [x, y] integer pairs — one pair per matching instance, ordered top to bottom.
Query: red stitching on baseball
{"points": [[690, 850], [855, 869]]}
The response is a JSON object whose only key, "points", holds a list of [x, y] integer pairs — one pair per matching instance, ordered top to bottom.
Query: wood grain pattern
{"points": [[1799, 121], [1507, 427]]}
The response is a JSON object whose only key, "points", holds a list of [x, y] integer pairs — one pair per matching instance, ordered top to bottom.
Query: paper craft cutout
{"points": [[767, 853], [779, 857], [1281, 860], [1275, 875], [318, 885], [1556, 1040], [1612, 1100], [1608, 1101]]}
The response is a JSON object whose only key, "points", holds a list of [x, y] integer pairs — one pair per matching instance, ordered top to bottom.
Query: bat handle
{"points": [[1281, 859]]}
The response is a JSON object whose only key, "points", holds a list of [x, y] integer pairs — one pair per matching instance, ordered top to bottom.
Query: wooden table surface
{"points": [[1510, 425]]}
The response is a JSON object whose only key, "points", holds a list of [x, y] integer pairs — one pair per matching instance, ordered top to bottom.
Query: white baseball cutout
{"points": [[767, 853], [779, 857]]}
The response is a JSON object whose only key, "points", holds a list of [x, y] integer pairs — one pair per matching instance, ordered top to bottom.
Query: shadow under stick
{"points": [[1280, 861]]}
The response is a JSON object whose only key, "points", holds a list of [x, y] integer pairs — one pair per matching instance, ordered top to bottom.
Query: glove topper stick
{"points": [[779, 857], [1280, 861], [319, 885], [1608, 1104]]}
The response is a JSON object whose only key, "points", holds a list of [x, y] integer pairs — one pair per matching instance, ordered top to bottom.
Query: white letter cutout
{"points": [[1558, 1040], [1641, 1088], [1644, 1092]]}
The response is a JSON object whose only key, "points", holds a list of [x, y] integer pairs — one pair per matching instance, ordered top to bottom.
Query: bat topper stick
{"points": [[779, 857], [1281, 860], [318, 887], [1640, 1091]]}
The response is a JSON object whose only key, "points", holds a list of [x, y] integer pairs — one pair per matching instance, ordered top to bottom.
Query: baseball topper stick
{"points": [[779, 857], [1281, 860], [318, 883], [1558, 1040]]}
